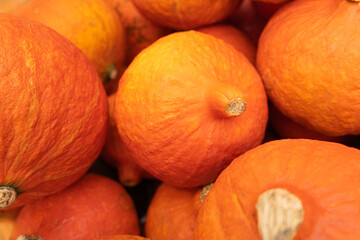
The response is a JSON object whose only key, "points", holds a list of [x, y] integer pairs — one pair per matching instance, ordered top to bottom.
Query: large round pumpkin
{"points": [[306, 57], [187, 106], [53, 112], [285, 189], [92, 208]]}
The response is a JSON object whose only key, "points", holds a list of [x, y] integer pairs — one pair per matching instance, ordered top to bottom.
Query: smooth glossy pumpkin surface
{"points": [[8, 5], [184, 14], [91, 25], [233, 36], [306, 58], [180, 109], [53, 110], [323, 175], [92, 208], [172, 213]]}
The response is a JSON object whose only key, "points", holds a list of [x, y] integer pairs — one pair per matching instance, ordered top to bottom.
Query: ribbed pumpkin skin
{"points": [[91, 25], [310, 77], [170, 108], [53, 110], [323, 175], [92, 208], [172, 213], [125, 237]]}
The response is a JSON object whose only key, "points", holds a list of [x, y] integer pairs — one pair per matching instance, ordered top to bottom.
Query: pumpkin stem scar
{"points": [[236, 107], [204, 191], [7, 196], [280, 214], [29, 237]]}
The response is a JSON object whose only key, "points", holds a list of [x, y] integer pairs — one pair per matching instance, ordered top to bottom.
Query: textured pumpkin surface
{"points": [[8, 5], [185, 14], [91, 25], [140, 32], [234, 37], [310, 76], [171, 103], [53, 110], [287, 128], [116, 154], [323, 175], [92, 208], [172, 213], [125, 237]]}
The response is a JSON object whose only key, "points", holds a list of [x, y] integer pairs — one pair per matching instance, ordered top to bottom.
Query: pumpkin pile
{"points": [[182, 120]]}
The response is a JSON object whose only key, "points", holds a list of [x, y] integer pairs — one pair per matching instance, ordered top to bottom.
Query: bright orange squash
{"points": [[91, 25], [306, 57], [187, 106], [53, 112], [286, 189], [92, 208]]}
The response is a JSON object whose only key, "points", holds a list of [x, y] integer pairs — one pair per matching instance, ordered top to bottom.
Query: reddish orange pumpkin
{"points": [[184, 14], [91, 25], [140, 32], [234, 37], [310, 77], [187, 106], [53, 112], [116, 154], [310, 185], [92, 208], [172, 213], [125, 237]]}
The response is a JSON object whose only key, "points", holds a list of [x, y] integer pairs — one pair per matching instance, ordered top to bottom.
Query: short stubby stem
{"points": [[236, 107], [204, 191], [7, 196], [280, 214], [29, 237]]}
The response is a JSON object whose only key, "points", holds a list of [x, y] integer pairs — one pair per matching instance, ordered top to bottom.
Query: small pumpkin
{"points": [[182, 14], [91, 25], [140, 32], [234, 37], [310, 77], [187, 106], [53, 112], [116, 154], [285, 189], [93, 207], [172, 212]]}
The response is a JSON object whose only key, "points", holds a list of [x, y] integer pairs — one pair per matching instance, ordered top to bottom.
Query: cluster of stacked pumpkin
{"points": [[246, 119]]}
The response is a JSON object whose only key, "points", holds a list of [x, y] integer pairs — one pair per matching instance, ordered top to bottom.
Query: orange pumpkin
{"points": [[7, 6], [183, 14], [91, 25], [140, 32], [234, 37], [310, 77], [187, 106], [53, 112], [286, 128], [116, 154], [285, 189], [92, 208], [172, 212], [7, 221], [125, 237]]}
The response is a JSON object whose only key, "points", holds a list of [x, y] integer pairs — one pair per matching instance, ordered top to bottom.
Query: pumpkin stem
{"points": [[236, 107], [204, 191], [7, 196], [280, 214], [29, 237]]}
